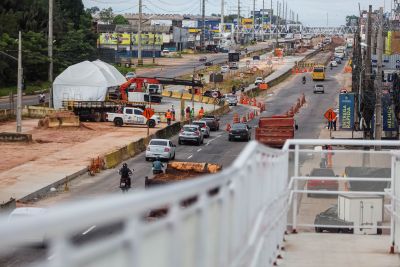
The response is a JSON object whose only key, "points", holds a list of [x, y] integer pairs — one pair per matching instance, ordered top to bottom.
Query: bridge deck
{"points": [[316, 250]]}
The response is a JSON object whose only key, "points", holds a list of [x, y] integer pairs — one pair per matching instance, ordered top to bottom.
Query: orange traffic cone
{"points": [[254, 102], [236, 118]]}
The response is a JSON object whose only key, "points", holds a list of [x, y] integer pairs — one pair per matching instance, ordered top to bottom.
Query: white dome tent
{"points": [[87, 81]]}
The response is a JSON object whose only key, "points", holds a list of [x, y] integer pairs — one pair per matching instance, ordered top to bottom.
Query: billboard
{"points": [[161, 22], [189, 23], [247, 23], [114, 38], [124, 39], [148, 39], [346, 111], [389, 121]]}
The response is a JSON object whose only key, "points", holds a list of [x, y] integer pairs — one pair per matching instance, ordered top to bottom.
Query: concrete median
{"points": [[166, 93], [176, 94], [187, 96]]}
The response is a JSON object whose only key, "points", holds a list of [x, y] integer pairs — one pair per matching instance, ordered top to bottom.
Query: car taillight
{"points": [[204, 126], [166, 149]]}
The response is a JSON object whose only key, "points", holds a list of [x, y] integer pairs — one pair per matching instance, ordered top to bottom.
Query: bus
{"points": [[318, 73]]}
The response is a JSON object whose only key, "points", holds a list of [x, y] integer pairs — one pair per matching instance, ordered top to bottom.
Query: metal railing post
{"points": [[295, 185], [393, 201]]}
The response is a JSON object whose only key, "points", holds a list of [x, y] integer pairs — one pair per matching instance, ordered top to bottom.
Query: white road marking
{"points": [[198, 150], [190, 156], [88, 230]]}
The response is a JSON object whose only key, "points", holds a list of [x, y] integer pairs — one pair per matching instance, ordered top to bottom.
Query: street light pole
{"points": [[50, 52], [140, 60], [19, 85], [378, 88]]}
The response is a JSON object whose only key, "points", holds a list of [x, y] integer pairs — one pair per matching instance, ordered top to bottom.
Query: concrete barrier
{"points": [[166, 93], [176, 94], [187, 96], [197, 98], [205, 99], [211, 100], [37, 112], [15, 137]]}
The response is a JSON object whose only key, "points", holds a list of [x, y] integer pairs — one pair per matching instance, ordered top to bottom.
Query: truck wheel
{"points": [[118, 122], [151, 123]]}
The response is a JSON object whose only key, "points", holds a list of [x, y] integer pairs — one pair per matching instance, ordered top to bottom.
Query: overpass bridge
{"points": [[238, 217]]}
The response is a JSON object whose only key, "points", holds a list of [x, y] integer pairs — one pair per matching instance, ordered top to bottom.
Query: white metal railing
{"points": [[390, 149], [236, 218]]}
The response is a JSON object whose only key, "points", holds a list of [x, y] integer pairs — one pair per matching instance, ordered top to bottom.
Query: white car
{"points": [[165, 51], [333, 63], [224, 69], [130, 75], [258, 80], [319, 88], [203, 127], [162, 148], [20, 214]]}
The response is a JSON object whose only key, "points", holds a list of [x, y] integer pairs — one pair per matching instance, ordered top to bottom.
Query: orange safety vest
{"points": [[201, 112], [168, 115]]}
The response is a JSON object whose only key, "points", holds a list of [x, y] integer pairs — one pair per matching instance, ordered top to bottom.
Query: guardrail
{"points": [[235, 218]]}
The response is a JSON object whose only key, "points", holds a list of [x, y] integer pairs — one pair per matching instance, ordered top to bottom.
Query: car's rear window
{"points": [[199, 123], [237, 126], [190, 129], [158, 143], [322, 172]]}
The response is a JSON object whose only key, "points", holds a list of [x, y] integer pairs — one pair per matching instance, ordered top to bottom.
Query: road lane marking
{"points": [[198, 150], [190, 156], [88, 230]]}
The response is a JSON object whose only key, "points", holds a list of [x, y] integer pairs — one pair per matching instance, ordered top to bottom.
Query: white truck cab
{"points": [[132, 116]]}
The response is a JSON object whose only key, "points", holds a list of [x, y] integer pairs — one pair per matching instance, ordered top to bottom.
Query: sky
{"points": [[311, 12]]}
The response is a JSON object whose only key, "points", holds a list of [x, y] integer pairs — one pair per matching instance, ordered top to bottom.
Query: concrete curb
{"points": [[43, 191]]}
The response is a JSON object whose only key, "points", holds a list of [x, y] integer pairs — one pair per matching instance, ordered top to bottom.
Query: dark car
{"points": [[203, 58], [338, 60], [209, 63], [210, 93], [212, 122], [239, 131], [322, 185], [330, 217]]}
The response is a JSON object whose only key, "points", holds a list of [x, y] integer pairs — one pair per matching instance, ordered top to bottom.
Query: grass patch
{"points": [[31, 88]]}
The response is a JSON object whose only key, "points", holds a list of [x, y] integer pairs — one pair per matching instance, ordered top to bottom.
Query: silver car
{"points": [[319, 88], [231, 100], [203, 127], [191, 133], [162, 148]]}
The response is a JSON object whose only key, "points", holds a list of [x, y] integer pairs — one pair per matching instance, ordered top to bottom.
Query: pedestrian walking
{"points": [[173, 113], [168, 116]]}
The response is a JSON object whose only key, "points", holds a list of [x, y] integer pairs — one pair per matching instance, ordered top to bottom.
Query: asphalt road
{"points": [[216, 149]]}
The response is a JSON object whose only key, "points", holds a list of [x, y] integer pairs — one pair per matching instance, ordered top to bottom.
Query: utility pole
{"points": [[271, 15], [327, 19], [254, 20], [262, 21], [238, 24], [203, 30], [221, 30], [154, 44], [50, 52], [140, 60], [368, 70], [378, 80], [19, 85]]}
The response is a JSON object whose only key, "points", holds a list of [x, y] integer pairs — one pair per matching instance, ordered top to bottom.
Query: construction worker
{"points": [[187, 111], [173, 112], [201, 113], [168, 116]]}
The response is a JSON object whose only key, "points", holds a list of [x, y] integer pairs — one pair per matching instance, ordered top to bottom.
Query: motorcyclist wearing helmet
{"points": [[304, 79], [158, 166], [125, 172]]}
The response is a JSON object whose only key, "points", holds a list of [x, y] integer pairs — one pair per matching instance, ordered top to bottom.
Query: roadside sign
{"points": [[214, 94], [346, 111], [148, 113], [330, 115]]}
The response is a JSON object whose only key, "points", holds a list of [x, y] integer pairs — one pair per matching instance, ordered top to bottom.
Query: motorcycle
{"points": [[304, 81], [124, 184]]}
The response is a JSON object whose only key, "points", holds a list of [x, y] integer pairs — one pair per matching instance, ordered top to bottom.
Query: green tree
{"points": [[93, 10], [106, 15], [120, 20]]}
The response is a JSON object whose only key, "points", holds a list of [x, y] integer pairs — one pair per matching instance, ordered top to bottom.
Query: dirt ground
{"points": [[48, 141]]}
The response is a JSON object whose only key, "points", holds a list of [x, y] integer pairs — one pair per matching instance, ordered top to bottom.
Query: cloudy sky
{"points": [[311, 12]]}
